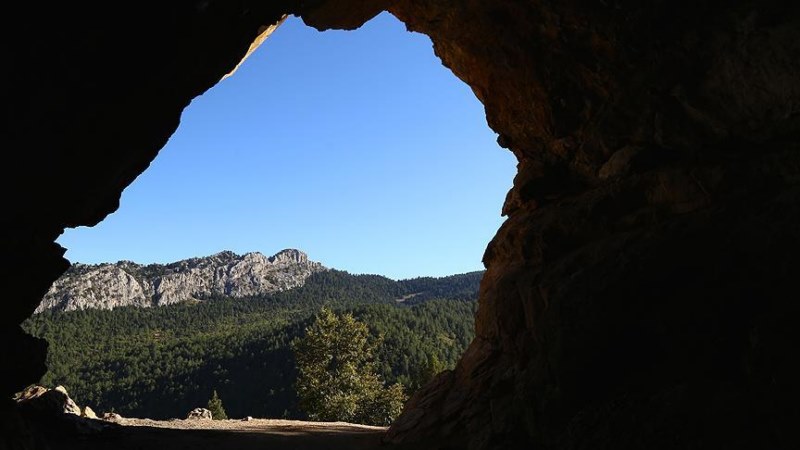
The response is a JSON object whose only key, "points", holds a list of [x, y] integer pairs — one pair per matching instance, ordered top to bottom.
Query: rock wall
{"points": [[125, 283], [641, 293], [638, 294]]}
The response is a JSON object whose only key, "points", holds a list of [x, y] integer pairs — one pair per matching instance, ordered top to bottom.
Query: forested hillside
{"points": [[162, 362]]}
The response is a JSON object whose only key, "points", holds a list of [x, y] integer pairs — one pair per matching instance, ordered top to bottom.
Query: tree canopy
{"points": [[336, 378]]}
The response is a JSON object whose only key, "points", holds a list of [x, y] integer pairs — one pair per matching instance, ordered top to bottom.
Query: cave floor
{"points": [[259, 434]]}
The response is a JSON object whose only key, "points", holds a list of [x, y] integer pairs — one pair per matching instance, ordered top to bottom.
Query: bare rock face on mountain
{"points": [[104, 286], [108, 286]]}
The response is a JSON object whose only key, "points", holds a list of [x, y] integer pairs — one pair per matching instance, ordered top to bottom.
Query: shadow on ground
{"points": [[144, 437]]}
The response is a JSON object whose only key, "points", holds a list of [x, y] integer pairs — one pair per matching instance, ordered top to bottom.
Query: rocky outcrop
{"points": [[105, 286], [108, 286], [641, 293], [41, 400], [52, 411], [88, 413], [199, 414], [111, 417]]}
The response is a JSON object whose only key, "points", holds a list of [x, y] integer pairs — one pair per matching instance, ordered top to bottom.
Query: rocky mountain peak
{"points": [[289, 255], [125, 283]]}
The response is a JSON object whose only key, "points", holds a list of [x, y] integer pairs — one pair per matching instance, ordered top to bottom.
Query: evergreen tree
{"points": [[428, 371], [336, 373], [216, 408]]}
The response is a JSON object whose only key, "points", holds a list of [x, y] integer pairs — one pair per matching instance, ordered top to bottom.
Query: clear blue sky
{"points": [[359, 148]]}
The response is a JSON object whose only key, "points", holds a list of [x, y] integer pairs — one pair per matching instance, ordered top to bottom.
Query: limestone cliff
{"points": [[108, 286]]}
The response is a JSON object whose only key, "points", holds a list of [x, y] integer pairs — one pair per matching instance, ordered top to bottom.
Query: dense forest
{"points": [[162, 362]]}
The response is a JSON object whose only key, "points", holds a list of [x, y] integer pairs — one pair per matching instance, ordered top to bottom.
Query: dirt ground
{"points": [[262, 434]]}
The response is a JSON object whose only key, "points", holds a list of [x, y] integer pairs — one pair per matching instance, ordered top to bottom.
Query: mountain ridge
{"points": [[126, 283], [161, 362]]}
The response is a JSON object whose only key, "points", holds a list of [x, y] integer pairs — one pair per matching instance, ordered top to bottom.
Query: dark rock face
{"points": [[641, 293], [626, 295], [41, 400]]}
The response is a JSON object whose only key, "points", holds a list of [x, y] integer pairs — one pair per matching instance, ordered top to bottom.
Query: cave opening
{"points": [[374, 156], [641, 293]]}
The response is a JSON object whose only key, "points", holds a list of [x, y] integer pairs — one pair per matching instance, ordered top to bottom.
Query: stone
{"points": [[619, 164], [109, 286], [29, 393], [42, 400], [88, 413], [199, 414], [111, 417], [247, 419]]}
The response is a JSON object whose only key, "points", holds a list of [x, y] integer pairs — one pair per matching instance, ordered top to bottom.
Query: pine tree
{"points": [[430, 370], [336, 373], [216, 408]]}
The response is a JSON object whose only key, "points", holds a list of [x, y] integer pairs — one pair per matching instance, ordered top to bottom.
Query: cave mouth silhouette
{"points": [[204, 124], [640, 293]]}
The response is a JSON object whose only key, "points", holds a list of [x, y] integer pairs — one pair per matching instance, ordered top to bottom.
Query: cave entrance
{"points": [[357, 148]]}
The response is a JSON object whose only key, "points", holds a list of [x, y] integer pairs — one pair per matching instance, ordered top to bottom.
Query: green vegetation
{"points": [[162, 362], [336, 378], [215, 406]]}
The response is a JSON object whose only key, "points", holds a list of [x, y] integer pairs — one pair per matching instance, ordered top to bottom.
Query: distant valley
{"points": [[224, 323]]}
